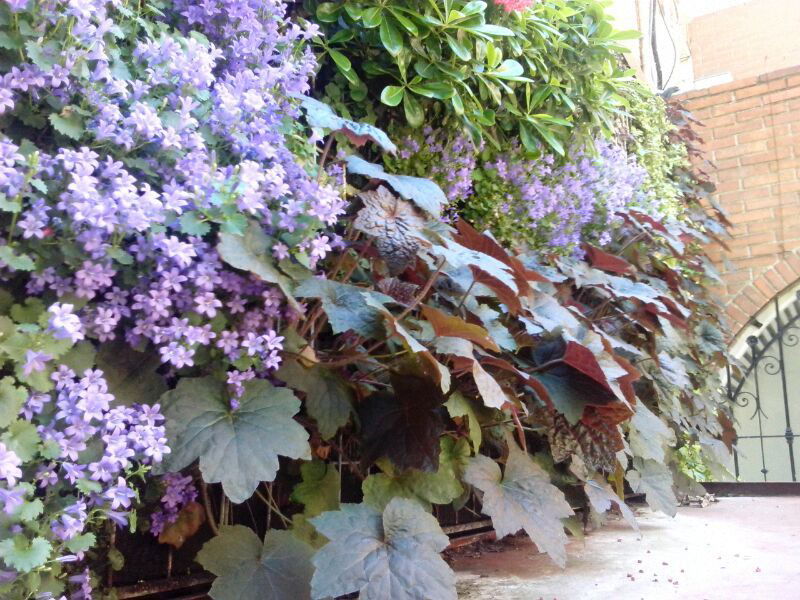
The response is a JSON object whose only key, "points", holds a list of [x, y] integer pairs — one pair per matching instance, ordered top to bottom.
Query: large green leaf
{"points": [[422, 192], [251, 252], [131, 375], [12, 397], [328, 397], [238, 448], [655, 481], [441, 487], [319, 489], [522, 498], [23, 554], [394, 555], [248, 570]]}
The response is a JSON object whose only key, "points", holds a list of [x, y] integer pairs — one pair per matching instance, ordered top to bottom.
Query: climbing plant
{"points": [[227, 289]]}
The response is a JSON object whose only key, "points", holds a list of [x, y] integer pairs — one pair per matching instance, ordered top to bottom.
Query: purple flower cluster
{"points": [[452, 160], [560, 200], [94, 443], [179, 490]]}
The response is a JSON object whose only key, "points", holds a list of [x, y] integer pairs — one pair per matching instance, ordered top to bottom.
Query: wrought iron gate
{"points": [[765, 397]]}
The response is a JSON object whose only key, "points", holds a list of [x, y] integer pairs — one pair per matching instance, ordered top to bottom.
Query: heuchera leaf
{"points": [[319, 114], [422, 192], [251, 252], [607, 262], [504, 293], [345, 306], [451, 326], [131, 375], [574, 381], [328, 397], [459, 406], [404, 426], [648, 435], [236, 448], [655, 481], [440, 487], [319, 489], [601, 497], [522, 498], [189, 520], [391, 555], [248, 570]]}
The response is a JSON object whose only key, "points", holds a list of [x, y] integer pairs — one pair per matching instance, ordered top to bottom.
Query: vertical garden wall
{"points": [[295, 281]]}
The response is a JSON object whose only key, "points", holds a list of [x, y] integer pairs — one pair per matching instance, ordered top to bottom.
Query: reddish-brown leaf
{"points": [[607, 262], [504, 293], [451, 326], [580, 358]]}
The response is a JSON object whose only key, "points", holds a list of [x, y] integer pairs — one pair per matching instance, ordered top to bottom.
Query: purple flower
{"points": [[64, 323], [35, 361], [9, 465], [120, 494]]}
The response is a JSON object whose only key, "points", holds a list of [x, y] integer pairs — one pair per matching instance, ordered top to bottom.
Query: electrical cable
{"points": [[672, 41], [654, 45]]}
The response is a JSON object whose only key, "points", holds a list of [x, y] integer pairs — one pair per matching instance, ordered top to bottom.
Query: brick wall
{"points": [[758, 37], [753, 136]]}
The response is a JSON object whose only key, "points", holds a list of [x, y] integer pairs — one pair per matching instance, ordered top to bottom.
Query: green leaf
{"points": [[328, 12], [372, 17], [407, 23], [493, 30], [390, 36], [458, 48], [340, 59], [508, 68], [439, 90], [392, 95], [458, 103], [415, 115], [70, 125], [549, 137], [423, 192], [12, 206], [192, 224], [251, 252], [20, 262], [345, 306], [81, 357], [131, 375], [12, 397], [328, 397], [459, 405], [22, 438], [236, 448], [655, 481], [441, 487], [319, 489], [522, 498], [28, 511], [81, 543], [23, 554], [391, 555], [247, 570]]}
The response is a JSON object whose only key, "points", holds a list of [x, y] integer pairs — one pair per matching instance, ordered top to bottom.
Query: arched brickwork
{"points": [[756, 294]]}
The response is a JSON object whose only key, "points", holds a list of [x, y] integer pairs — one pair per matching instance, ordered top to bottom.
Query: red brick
{"points": [[754, 90], [786, 272], [775, 279]]}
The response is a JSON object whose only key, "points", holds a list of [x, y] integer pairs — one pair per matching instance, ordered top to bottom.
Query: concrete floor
{"points": [[737, 549]]}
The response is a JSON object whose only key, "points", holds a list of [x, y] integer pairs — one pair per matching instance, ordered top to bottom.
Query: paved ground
{"points": [[737, 549]]}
